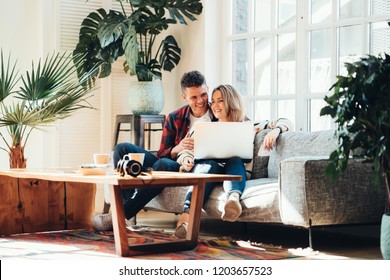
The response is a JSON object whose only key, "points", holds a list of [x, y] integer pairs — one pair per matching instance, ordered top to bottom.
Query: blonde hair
{"points": [[233, 102]]}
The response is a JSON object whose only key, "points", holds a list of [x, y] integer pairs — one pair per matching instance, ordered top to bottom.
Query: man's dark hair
{"points": [[192, 79]]}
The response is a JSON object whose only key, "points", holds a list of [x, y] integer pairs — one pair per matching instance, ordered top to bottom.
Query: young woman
{"points": [[227, 106]]}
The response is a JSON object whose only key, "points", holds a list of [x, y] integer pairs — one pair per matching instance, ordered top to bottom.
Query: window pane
{"points": [[380, 7], [351, 8], [287, 11], [321, 11], [262, 15], [240, 16], [380, 38], [350, 45], [320, 53], [240, 61], [286, 63], [263, 66], [286, 109], [262, 110], [318, 122]]}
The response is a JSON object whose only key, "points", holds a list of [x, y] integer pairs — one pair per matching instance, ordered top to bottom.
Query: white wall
{"points": [[27, 28], [21, 29], [22, 36], [213, 40], [191, 41], [201, 44]]}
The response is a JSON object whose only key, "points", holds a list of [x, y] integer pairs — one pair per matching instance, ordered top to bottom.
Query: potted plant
{"points": [[104, 37], [47, 93], [360, 106]]}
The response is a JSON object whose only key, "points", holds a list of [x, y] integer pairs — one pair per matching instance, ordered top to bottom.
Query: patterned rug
{"points": [[92, 244]]}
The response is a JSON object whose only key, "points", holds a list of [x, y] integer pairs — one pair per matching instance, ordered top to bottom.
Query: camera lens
{"points": [[133, 168]]}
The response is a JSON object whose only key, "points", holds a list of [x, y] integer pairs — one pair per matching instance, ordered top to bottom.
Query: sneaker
{"points": [[232, 209], [101, 222], [131, 222], [182, 226], [181, 230]]}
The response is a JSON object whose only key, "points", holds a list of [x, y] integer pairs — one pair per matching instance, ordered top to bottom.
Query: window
{"points": [[286, 54]]}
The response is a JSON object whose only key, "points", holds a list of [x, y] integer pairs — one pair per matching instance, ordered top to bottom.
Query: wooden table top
{"points": [[156, 178]]}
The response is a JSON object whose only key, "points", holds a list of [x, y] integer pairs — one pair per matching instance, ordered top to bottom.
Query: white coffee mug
{"points": [[137, 156], [102, 158]]}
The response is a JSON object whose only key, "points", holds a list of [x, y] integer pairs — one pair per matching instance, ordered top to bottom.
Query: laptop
{"points": [[223, 140]]}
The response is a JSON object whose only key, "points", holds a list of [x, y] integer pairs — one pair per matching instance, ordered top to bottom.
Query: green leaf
{"points": [[180, 9], [112, 28], [105, 37], [130, 46], [170, 54], [94, 61], [149, 71], [8, 77], [48, 92], [360, 106], [328, 110]]}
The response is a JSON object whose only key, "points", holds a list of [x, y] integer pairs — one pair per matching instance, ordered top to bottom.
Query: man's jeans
{"points": [[233, 166], [135, 199]]}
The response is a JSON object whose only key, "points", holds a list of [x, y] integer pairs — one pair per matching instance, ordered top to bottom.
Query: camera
{"points": [[126, 166]]}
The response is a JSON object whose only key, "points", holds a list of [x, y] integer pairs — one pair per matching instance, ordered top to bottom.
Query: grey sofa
{"points": [[288, 186]]}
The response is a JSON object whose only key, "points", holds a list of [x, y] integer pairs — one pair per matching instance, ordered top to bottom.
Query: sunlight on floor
{"points": [[152, 221], [21, 250]]}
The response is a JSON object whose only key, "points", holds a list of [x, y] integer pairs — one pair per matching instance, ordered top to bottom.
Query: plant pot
{"points": [[146, 98], [385, 236]]}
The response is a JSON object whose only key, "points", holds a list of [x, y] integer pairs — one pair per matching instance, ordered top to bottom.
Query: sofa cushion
{"points": [[258, 141], [299, 143], [260, 157], [260, 167], [309, 197], [169, 200], [260, 201]]}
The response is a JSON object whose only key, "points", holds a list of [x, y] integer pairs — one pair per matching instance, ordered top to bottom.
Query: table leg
{"points": [[195, 213], [118, 221], [122, 246]]}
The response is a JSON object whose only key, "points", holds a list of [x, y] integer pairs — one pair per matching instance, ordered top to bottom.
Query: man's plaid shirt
{"points": [[175, 129]]}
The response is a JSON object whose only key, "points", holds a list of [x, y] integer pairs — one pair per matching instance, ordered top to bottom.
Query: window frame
{"points": [[302, 29]]}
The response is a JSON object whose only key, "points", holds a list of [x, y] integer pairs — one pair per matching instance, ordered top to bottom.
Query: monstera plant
{"points": [[133, 32], [104, 37], [47, 93], [360, 106]]}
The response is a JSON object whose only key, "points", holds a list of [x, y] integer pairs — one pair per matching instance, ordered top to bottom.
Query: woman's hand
{"points": [[270, 139], [187, 163]]}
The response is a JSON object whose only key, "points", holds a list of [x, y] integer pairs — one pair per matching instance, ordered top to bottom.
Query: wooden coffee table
{"points": [[117, 183]]}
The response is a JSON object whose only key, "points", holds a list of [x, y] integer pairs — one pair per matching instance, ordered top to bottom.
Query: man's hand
{"points": [[270, 139], [186, 143]]}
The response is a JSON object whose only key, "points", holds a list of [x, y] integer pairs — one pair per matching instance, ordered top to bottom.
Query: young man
{"points": [[175, 138]]}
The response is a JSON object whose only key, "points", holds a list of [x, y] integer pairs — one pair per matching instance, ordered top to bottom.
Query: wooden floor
{"points": [[347, 242]]}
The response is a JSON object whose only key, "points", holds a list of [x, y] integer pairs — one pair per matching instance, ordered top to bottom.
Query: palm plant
{"points": [[104, 37], [46, 94]]}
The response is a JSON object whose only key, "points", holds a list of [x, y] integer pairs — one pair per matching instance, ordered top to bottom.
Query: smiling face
{"points": [[197, 99], [227, 105], [218, 106]]}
